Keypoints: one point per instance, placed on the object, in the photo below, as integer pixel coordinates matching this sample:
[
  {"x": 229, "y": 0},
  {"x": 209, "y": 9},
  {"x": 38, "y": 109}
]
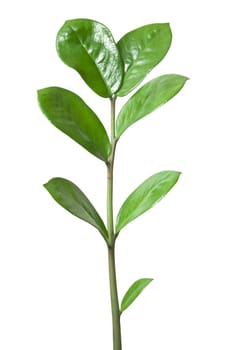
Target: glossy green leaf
[
  {"x": 69, "y": 113},
  {"x": 89, "y": 47},
  {"x": 71, "y": 198},
  {"x": 141, "y": 50},
  {"x": 149, "y": 97},
  {"x": 150, "y": 192},
  {"x": 134, "y": 291}
]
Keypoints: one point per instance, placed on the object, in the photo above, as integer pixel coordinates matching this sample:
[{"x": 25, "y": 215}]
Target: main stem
[{"x": 117, "y": 344}]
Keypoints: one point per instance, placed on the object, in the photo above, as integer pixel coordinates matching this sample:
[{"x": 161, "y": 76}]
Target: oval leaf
[
  {"x": 71, "y": 198},
  {"x": 146, "y": 196},
  {"x": 69, "y": 113},
  {"x": 149, "y": 97},
  {"x": 141, "y": 50},
  {"x": 134, "y": 291},
  {"x": 89, "y": 47}
]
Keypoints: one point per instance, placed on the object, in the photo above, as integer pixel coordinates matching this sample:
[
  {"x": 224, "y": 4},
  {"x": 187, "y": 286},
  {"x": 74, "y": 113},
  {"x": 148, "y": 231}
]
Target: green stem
[
  {"x": 117, "y": 343},
  {"x": 111, "y": 244}
]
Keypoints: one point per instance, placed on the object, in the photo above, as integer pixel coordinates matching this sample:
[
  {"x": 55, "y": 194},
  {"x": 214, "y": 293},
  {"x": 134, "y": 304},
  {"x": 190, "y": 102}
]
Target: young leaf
[
  {"x": 150, "y": 192},
  {"x": 149, "y": 97},
  {"x": 141, "y": 50},
  {"x": 89, "y": 47},
  {"x": 133, "y": 292},
  {"x": 71, "y": 198},
  {"x": 69, "y": 113}
]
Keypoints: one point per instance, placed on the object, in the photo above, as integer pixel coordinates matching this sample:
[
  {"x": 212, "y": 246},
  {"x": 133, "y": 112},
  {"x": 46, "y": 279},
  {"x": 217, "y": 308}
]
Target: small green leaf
[
  {"x": 89, "y": 47},
  {"x": 69, "y": 113},
  {"x": 148, "y": 98},
  {"x": 141, "y": 50},
  {"x": 150, "y": 192},
  {"x": 71, "y": 198},
  {"x": 134, "y": 291}
]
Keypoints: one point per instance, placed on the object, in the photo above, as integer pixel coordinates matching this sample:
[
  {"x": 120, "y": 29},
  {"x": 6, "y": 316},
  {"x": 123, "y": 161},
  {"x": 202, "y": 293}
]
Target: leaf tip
[
  {"x": 186, "y": 78},
  {"x": 148, "y": 280},
  {"x": 40, "y": 96},
  {"x": 39, "y": 92},
  {"x": 45, "y": 185},
  {"x": 178, "y": 174}
]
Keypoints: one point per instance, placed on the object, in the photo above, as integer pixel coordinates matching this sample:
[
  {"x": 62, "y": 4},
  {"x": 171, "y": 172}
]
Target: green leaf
[
  {"x": 89, "y": 47},
  {"x": 71, "y": 198},
  {"x": 134, "y": 291},
  {"x": 141, "y": 50},
  {"x": 69, "y": 113},
  {"x": 149, "y": 97},
  {"x": 150, "y": 192}
]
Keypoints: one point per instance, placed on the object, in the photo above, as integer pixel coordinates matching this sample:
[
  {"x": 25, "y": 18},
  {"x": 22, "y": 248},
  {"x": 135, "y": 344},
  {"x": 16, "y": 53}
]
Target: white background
[{"x": 53, "y": 267}]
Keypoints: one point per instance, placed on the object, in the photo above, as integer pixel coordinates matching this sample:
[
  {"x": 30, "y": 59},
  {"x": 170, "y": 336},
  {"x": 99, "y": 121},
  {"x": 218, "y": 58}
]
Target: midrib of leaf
[
  {"x": 132, "y": 296},
  {"x": 138, "y": 204},
  {"x": 86, "y": 50},
  {"x": 86, "y": 210},
  {"x": 142, "y": 202},
  {"x": 140, "y": 53},
  {"x": 87, "y": 138},
  {"x": 124, "y": 121}
]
